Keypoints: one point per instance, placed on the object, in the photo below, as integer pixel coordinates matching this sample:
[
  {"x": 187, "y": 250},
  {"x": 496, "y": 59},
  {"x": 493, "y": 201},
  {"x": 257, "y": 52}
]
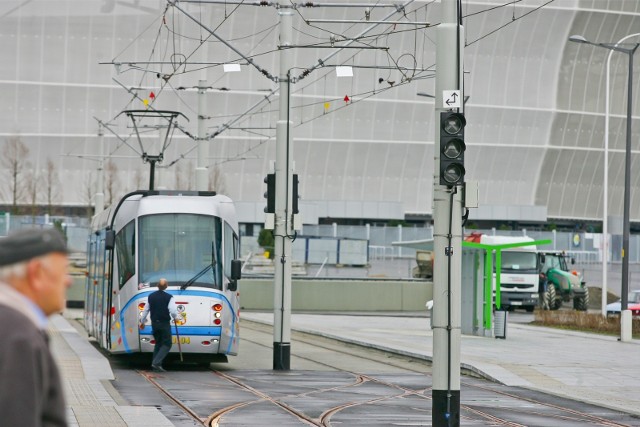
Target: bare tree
[
  {"x": 32, "y": 184},
  {"x": 141, "y": 180},
  {"x": 216, "y": 180},
  {"x": 111, "y": 182},
  {"x": 179, "y": 179},
  {"x": 51, "y": 184},
  {"x": 88, "y": 193},
  {"x": 184, "y": 176},
  {"x": 190, "y": 176},
  {"x": 14, "y": 158}
]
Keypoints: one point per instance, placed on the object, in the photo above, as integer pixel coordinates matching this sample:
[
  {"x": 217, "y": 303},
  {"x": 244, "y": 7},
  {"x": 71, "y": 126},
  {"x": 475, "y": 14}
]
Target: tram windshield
[{"x": 178, "y": 247}]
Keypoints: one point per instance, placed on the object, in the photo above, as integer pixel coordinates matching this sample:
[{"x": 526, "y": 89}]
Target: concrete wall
[
  {"x": 340, "y": 295},
  {"x": 319, "y": 295}
]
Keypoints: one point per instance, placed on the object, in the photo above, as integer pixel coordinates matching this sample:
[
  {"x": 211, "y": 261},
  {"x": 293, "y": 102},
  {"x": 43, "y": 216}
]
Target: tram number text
[{"x": 183, "y": 340}]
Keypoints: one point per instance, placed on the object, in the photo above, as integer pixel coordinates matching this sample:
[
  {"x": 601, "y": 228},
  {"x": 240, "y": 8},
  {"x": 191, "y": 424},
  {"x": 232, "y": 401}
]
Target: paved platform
[
  {"x": 91, "y": 400},
  {"x": 589, "y": 368}
]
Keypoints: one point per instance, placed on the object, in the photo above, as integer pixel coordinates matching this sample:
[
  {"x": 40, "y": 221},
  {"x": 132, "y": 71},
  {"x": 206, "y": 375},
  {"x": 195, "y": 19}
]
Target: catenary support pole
[
  {"x": 447, "y": 206},
  {"x": 99, "y": 199},
  {"x": 203, "y": 143},
  {"x": 283, "y": 224}
]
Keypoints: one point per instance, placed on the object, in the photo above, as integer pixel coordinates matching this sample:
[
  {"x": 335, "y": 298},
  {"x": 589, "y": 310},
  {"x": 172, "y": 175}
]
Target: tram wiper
[
  {"x": 214, "y": 261},
  {"x": 196, "y": 277}
]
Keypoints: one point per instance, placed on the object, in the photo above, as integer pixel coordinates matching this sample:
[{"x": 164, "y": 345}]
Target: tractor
[{"x": 558, "y": 284}]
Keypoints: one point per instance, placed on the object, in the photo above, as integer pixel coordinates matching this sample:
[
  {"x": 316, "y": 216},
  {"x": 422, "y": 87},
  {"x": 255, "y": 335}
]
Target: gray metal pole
[
  {"x": 203, "y": 144},
  {"x": 605, "y": 218},
  {"x": 627, "y": 196},
  {"x": 99, "y": 199},
  {"x": 447, "y": 206},
  {"x": 283, "y": 224},
  {"x": 625, "y": 314}
]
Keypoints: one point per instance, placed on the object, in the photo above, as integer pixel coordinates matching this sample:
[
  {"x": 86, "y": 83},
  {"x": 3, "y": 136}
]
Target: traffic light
[
  {"x": 270, "y": 195},
  {"x": 452, "y": 148},
  {"x": 295, "y": 196}
]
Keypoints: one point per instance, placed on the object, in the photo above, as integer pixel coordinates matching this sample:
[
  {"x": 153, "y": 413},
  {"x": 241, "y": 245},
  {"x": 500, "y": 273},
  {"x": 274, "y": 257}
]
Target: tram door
[
  {"x": 89, "y": 300},
  {"x": 102, "y": 293}
]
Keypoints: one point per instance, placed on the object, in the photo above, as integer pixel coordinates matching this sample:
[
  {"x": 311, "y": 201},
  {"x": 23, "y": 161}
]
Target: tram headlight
[{"x": 218, "y": 315}]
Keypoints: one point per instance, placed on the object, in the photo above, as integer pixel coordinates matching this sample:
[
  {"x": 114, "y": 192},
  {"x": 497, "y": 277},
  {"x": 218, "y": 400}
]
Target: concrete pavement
[{"x": 591, "y": 368}]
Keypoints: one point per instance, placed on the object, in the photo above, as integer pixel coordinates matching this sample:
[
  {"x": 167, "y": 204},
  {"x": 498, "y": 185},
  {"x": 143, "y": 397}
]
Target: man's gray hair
[{"x": 17, "y": 270}]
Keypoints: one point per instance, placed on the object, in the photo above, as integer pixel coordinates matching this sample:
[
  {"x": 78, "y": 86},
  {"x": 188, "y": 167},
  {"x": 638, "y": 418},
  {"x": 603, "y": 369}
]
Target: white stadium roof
[{"x": 535, "y": 112}]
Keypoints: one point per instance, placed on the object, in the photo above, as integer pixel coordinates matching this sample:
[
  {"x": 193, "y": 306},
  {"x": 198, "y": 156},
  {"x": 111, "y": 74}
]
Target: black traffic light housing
[
  {"x": 295, "y": 195},
  {"x": 270, "y": 195},
  {"x": 452, "y": 148}
]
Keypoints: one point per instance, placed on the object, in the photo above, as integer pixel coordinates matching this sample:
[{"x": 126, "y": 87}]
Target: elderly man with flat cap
[{"x": 34, "y": 278}]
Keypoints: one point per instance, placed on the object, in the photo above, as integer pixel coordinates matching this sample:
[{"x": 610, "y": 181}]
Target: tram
[{"x": 190, "y": 239}]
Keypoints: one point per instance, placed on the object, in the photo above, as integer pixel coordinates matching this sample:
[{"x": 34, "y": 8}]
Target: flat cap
[{"x": 24, "y": 245}]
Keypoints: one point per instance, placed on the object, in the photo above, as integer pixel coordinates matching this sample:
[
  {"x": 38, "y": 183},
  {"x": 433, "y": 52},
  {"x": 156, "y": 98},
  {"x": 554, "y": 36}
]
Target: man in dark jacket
[
  {"x": 34, "y": 278},
  {"x": 162, "y": 307}
]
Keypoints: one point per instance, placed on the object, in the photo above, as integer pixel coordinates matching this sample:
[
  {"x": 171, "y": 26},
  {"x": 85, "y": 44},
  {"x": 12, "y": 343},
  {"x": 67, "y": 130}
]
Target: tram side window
[
  {"x": 230, "y": 248},
  {"x": 125, "y": 248}
]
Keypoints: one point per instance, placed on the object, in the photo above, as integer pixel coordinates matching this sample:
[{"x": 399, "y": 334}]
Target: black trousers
[{"x": 162, "y": 335}]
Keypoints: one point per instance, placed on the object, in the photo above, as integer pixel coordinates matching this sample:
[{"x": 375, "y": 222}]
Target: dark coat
[{"x": 31, "y": 393}]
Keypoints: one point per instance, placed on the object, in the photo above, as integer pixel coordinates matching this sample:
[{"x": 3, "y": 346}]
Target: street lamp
[
  {"x": 625, "y": 315},
  {"x": 605, "y": 234}
]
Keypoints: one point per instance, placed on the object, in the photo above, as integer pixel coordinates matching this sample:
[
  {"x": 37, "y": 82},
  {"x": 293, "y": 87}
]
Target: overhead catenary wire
[
  {"x": 365, "y": 37},
  {"x": 489, "y": 9},
  {"x": 181, "y": 63},
  {"x": 509, "y": 23},
  {"x": 375, "y": 37},
  {"x": 320, "y": 63},
  {"x": 212, "y": 32}
]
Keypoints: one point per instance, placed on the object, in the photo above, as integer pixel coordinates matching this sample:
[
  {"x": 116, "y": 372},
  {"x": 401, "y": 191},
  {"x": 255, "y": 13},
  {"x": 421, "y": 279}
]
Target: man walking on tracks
[
  {"x": 162, "y": 307},
  {"x": 34, "y": 278}
]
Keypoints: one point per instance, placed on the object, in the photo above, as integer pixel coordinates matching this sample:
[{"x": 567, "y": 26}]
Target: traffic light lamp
[
  {"x": 270, "y": 195},
  {"x": 452, "y": 148}
]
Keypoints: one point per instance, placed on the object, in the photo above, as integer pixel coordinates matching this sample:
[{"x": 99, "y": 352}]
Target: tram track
[
  {"x": 584, "y": 416},
  {"x": 470, "y": 413},
  {"x": 151, "y": 378}
]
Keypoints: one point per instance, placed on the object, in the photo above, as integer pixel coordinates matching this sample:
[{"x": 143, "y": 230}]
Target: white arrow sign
[{"x": 450, "y": 99}]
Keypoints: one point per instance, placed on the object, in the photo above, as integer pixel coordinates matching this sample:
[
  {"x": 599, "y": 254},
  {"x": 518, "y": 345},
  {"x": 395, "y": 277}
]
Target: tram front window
[{"x": 178, "y": 247}]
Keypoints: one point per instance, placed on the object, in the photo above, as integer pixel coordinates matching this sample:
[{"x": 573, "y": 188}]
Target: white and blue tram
[{"x": 190, "y": 239}]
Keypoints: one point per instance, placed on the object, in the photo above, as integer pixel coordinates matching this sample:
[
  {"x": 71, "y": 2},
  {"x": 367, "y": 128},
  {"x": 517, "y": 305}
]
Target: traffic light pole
[
  {"x": 202, "y": 157},
  {"x": 283, "y": 212},
  {"x": 447, "y": 216}
]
